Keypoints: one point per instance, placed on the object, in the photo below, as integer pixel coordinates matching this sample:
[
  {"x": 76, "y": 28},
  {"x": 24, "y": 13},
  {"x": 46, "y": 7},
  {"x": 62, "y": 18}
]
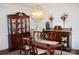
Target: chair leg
[
  {"x": 25, "y": 53},
  {"x": 20, "y": 52},
  {"x": 52, "y": 52},
  {"x": 61, "y": 50}
]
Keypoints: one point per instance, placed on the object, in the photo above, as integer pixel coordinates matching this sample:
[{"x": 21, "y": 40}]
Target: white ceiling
[
  {"x": 27, "y": 4},
  {"x": 30, "y": 5}
]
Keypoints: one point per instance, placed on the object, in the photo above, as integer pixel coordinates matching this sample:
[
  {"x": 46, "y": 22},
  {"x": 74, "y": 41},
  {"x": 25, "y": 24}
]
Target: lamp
[
  {"x": 37, "y": 13},
  {"x": 51, "y": 19}
]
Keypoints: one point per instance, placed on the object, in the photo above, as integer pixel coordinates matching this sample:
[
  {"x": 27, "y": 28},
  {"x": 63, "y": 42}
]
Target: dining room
[{"x": 39, "y": 29}]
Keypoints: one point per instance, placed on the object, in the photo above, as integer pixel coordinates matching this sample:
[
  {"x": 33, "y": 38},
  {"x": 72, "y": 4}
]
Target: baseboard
[
  {"x": 75, "y": 49},
  {"x": 4, "y": 51}
]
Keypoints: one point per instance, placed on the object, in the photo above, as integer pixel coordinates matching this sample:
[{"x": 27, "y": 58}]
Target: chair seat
[
  {"x": 26, "y": 47},
  {"x": 41, "y": 51}
]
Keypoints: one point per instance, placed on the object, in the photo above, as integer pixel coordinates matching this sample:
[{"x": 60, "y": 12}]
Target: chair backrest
[
  {"x": 41, "y": 35},
  {"x": 58, "y": 37},
  {"x": 32, "y": 45},
  {"x": 20, "y": 41},
  {"x": 54, "y": 36},
  {"x": 51, "y": 36},
  {"x": 38, "y": 35}
]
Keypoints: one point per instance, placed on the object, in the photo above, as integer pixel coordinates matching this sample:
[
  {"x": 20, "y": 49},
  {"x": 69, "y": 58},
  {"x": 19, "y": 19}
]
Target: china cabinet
[{"x": 18, "y": 23}]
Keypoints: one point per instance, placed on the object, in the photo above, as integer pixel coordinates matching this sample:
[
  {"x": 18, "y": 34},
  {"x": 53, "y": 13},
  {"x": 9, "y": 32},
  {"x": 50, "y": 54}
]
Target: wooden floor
[{"x": 57, "y": 52}]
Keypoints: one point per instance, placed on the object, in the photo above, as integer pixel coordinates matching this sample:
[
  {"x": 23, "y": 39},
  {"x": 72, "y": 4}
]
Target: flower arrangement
[{"x": 64, "y": 18}]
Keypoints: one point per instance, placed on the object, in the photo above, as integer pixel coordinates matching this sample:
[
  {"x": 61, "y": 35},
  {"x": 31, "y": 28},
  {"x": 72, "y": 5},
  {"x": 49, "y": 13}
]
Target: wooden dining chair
[
  {"x": 51, "y": 36},
  {"x": 29, "y": 46},
  {"x": 37, "y": 50},
  {"x": 23, "y": 45},
  {"x": 36, "y": 46},
  {"x": 55, "y": 36},
  {"x": 58, "y": 38}
]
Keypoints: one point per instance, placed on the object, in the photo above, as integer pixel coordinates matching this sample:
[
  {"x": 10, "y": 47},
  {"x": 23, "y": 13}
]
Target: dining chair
[
  {"x": 36, "y": 46},
  {"x": 29, "y": 47},
  {"x": 23, "y": 45},
  {"x": 58, "y": 38},
  {"x": 37, "y": 50},
  {"x": 55, "y": 36}
]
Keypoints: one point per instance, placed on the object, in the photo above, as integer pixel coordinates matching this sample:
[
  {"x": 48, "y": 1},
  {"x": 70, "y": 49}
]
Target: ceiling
[{"x": 40, "y": 4}]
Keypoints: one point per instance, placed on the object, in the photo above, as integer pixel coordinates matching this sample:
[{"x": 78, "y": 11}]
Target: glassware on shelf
[
  {"x": 19, "y": 26},
  {"x": 19, "y": 31},
  {"x": 13, "y": 27},
  {"x": 14, "y": 21}
]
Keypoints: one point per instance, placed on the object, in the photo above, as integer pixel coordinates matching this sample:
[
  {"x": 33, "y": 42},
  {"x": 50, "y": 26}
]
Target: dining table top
[
  {"x": 43, "y": 41},
  {"x": 48, "y": 42}
]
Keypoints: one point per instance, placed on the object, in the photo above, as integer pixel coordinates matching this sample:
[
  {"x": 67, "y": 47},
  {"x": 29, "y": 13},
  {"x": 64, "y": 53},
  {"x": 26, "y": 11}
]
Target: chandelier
[{"x": 37, "y": 13}]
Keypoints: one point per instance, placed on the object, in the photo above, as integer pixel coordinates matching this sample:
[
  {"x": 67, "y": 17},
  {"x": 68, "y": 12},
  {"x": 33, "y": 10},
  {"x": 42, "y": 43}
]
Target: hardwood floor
[
  {"x": 4, "y": 52},
  {"x": 75, "y": 51}
]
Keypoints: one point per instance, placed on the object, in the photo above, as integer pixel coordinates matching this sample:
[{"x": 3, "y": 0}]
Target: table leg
[
  {"x": 48, "y": 49},
  {"x": 61, "y": 50}
]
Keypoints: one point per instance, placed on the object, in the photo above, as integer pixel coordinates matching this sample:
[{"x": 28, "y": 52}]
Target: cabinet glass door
[{"x": 13, "y": 26}]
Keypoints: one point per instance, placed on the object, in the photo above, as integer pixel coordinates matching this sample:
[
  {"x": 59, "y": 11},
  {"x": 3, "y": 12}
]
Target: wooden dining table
[{"x": 48, "y": 45}]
